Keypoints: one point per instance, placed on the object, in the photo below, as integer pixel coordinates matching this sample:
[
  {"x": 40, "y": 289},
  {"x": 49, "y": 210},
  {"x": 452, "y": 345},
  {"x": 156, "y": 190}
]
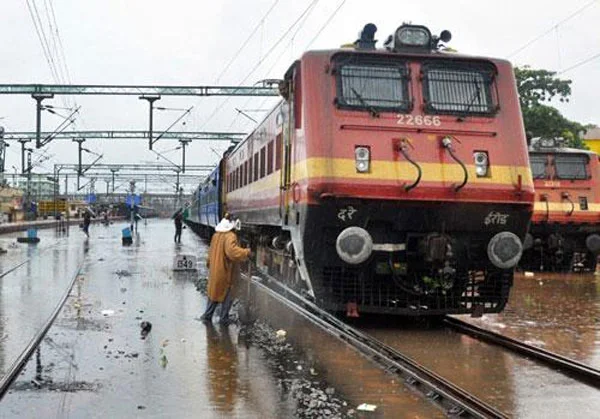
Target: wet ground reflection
[
  {"x": 221, "y": 357},
  {"x": 560, "y": 313},
  {"x": 32, "y": 280},
  {"x": 94, "y": 359},
  {"x": 508, "y": 382}
]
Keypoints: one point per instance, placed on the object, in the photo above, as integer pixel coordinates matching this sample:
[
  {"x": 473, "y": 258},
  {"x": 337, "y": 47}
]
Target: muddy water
[
  {"x": 355, "y": 377},
  {"x": 512, "y": 384},
  {"x": 94, "y": 362},
  {"x": 560, "y": 313}
]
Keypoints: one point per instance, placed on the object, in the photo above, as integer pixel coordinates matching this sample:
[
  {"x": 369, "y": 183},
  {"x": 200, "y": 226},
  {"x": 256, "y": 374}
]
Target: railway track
[
  {"x": 452, "y": 399},
  {"x": 16, "y": 368},
  {"x": 561, "y": 363},
  {"x": 29, "y": 259}
]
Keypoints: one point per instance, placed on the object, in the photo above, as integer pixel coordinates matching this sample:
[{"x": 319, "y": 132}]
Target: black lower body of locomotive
[{"x": 427, "y": 259}]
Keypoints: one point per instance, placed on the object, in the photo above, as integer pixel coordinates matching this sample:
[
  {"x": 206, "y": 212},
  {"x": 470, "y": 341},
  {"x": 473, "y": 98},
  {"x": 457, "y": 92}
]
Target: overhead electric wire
[
  {"x": 241, "y": 48},
  {"x": 537, "y": 38},
  {"x": 61, "y": 48},
  {"x": 579, "y": 64},
  {"x": 42, "y": 38},
  {"x": 268, "y": 72},
  {"x": 281, "y": 38},
  {"x": 246, "y": 41},
  {"x": 327, "y": 22},
  {"x": 54, "y": 43}
]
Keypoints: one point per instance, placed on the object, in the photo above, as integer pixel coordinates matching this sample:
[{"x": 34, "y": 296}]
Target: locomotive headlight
[
  {"x": 354, "y": 245},
  {"x": 413, "y": 36},
  {"x": 481, "y": 163},
  {"x": 504, "y": 250},
  {"x": 362, "y": 156}
]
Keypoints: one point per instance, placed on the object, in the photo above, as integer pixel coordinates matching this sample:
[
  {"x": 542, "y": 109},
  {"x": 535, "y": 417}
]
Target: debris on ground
[
  {"x": 163, "y": 358},
  {"x": 200, "y": 284},
  {"x": 145, "y": 327},
  {"x": 366, "y": 407},
  {"x": 313, "y": 399},
  {"x": 122, "y": 273}
]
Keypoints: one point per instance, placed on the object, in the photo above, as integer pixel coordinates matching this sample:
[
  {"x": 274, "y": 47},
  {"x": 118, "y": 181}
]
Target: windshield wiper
[
  {"x": 476, "y": 95},
  {"x": 363, "y": 102}
]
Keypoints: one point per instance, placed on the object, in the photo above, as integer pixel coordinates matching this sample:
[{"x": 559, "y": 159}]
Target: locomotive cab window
[
  {"x": 459, "y": 89},
  {"x": 372, "y": 85},
  {"x": 571, "y": 166},
  {"x": 538, "y": 165}
]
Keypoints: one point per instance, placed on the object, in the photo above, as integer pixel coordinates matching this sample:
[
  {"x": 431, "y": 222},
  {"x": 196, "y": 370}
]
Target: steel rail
[
  {"x": 456, "y": 401},
  {"x": 566, "y": 365},
  {"x": 29, "y": 259},
  {"x": 16, "y": 368}
]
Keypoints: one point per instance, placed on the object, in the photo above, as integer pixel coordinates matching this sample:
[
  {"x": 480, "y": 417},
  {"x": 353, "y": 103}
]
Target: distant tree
[{"x": 537, "y": 88}]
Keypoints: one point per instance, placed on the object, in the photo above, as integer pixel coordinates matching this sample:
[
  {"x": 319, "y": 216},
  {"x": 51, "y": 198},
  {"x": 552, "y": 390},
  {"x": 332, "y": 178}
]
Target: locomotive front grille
[{"x": 381, "y": 294}]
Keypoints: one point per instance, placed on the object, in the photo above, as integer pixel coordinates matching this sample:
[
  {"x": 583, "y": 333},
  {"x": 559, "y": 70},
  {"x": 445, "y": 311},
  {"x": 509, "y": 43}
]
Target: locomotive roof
[
  {"x": 564, "y": 150},
  {"x": 424, "y": 54}
]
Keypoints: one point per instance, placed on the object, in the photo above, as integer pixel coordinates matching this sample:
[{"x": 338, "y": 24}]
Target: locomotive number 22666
[{"x": 426, "y": 120}]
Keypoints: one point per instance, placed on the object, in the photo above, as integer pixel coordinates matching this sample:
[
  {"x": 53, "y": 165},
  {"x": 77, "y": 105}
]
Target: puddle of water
[{"x": 560, "y": 312}]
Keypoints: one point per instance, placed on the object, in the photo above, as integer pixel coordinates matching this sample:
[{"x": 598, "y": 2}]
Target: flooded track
[
  {"x": 94, "y": 359},
  {"x": 568, "y": 366},
  {"x": 511, "y": 383},
  {"x": 33, "y": 278},
  {"x": 17, "y": 366},
  {"x": 560, "y": 313},
  {"x": 355, "y": 376},
  {"x": 95, "y": 362},
  {"x": 452, "y": 399}
]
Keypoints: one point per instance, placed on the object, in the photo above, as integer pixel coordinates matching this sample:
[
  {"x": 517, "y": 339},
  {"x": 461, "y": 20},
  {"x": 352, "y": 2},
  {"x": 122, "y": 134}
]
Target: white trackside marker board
[{"x": 185, "y": 263}]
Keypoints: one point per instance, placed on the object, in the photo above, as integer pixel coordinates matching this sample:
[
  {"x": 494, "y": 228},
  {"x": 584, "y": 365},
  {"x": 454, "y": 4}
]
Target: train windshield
[
  {"x": 571, "y": 166},
  {"x": 458, "y": 89},
  {"x": 538, "y": 165},
  {"x": 372, "y": 85}
]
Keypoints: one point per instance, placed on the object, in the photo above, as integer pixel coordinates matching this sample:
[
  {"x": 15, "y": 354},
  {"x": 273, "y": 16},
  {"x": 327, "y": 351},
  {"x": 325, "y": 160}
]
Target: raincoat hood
[{"x": 224, "y": 226}]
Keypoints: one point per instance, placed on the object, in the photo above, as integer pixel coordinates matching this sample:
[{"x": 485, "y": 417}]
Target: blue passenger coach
[{"x": 205, "y": 210}]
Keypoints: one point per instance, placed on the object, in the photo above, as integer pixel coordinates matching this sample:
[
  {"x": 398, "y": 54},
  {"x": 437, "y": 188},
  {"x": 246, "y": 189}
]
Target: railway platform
[{"x": 6, "y": 228}]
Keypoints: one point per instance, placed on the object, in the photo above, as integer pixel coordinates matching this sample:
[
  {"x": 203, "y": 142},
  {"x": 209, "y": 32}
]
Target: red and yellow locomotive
[
  {"x": 390, "y": 180},
  {"x": 565, "y": 227}
]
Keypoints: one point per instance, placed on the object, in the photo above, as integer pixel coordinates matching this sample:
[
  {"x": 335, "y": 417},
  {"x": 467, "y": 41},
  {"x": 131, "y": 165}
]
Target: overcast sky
[{"x": 190, "y": 42}]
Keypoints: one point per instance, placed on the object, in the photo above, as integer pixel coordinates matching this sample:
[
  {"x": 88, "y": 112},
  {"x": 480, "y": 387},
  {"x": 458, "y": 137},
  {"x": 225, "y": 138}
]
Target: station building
[{"x": 592, "y": 139}]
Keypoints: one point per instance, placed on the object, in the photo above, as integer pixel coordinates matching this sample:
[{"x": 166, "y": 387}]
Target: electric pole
[
  {"x": 39, "y": 97},
  {"x": 151, "y": 99}
]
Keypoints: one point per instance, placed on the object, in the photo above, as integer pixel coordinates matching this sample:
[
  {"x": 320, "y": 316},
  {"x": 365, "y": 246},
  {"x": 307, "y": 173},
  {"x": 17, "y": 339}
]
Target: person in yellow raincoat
[{"x": 223, "y": 256}]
